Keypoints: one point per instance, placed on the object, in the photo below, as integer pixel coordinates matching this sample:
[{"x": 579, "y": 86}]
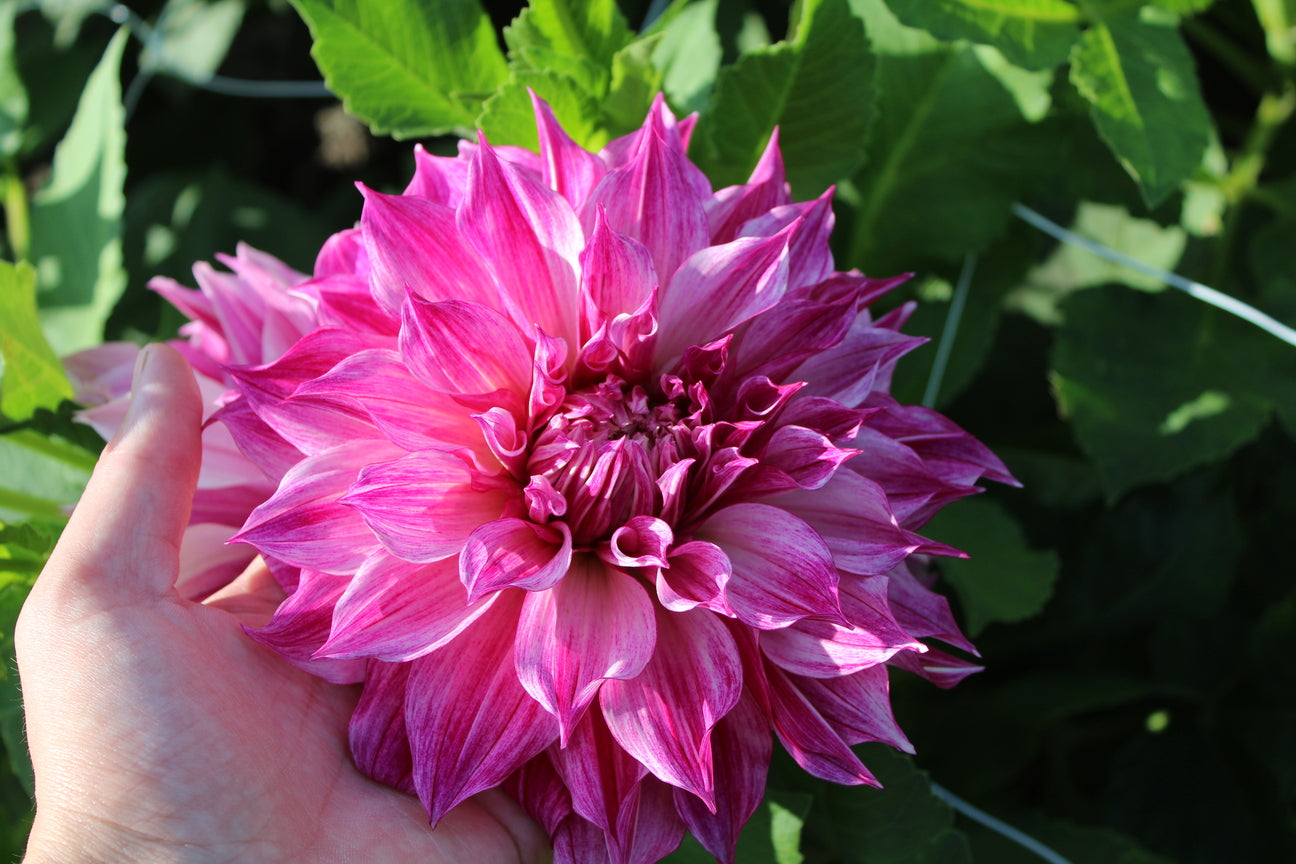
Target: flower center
[{"x": 597, "y": 460}]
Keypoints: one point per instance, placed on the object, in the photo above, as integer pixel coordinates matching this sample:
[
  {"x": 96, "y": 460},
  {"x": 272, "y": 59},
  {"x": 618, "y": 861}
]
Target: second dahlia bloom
[{"x": 598, "y": 490}]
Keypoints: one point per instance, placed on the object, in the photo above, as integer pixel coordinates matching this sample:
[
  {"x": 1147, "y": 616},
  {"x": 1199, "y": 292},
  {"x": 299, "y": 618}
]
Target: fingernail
[{"x": 138, "y": 397}]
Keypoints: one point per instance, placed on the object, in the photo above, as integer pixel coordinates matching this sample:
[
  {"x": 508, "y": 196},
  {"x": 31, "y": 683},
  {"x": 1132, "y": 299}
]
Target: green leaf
[
  {"x": 67, "y": 16},
  {"x": 13, "y": 95},
  {"x": 407, "y": 67},
  {"x": 901, "y": 823},
  {"x": 592, "y": 31},
  {"x": 192, "y": 37},
  {"x": 40, "y": 476},
  {"x": 508, "y": 118},
  {"x": 948, "y": 154},
  {"x": 689, "y": 56},
  {"x": 1185, "y": 7},
  {"x": 1155, "y": 384},
  {"x": 1004, "y": 580},
  {"x": 1138, "y": 78},
  {"x": 23, "y": 552},
  {"x": 817, "y": 88},
  {"x": 76, "y": 219},
  {"x": 1069, "y": 268},
  {"x": 1036, "y": 34},
  {"x": 31, "y": 376},
  {"x": 1277, "y": 18},
  {"x": 634, "y": 83}
]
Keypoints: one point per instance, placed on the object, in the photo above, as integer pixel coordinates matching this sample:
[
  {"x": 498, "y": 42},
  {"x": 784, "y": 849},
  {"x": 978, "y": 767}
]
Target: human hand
[{"x": 159, "y": 732}]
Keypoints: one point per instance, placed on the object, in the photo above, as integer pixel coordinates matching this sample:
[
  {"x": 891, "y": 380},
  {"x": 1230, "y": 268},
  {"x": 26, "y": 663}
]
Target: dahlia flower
[{"x": 590, "y": 475}]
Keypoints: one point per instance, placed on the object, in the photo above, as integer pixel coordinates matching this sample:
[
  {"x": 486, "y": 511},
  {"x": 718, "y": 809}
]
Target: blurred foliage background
[{"x": 1134, "y": 603}]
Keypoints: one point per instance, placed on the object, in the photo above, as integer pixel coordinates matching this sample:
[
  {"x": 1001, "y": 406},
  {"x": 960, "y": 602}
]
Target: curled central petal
[{"x": 604, "y": 450}]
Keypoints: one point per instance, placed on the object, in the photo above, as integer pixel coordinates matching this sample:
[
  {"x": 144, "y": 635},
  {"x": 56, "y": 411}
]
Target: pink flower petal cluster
[{"x": 590, "y": 474}]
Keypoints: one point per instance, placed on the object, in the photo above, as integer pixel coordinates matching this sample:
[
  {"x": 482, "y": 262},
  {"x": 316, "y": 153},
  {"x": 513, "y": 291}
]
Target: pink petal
[
  {"x": 857, "y": 706},
  {"x": 642, "y": 542},
  {"x": 742, "y": 746},
  {"x": 810, "y": 259},
  {"x": 260, "y": 444},
  {"x": 423, "y": 506},
  {"x": 569, "y": 169},
  {"x": 464, "y": 746},
  {"x": 818, "y": 649},
  {"x": 849, "y": 371},
  {"x": 440, "y": 179},
  {"x": 415, "y": 246},
  {"x": 730, "y": 208},
  {"x": 595, "y": 624},
  {"x": 719, "y": 288},
  {"x": 854, "y": 519},
  {"x": 782, "y": 570},
  {"x": 939, "y": 667},
  {"x": 617, "y": 274},
  {"x": 514, "y": 553},
  {"x": 379, "y": 742},
  {"x": 650, "y": 199},
  {"x": 305, "y": 525},
  {"x": 458, "y": 347},
  {"x": 665, "y": 716},
  {"x": 396, "y": 611},
  {"x": 809, "y": 738},
  {"x": 921, "y": 611},
  {"x": 406, "y": 411},
  {"x": 696, "y": 574},
  {"x": 530, "y": 239},
  {"x": 301, "y": 624}
]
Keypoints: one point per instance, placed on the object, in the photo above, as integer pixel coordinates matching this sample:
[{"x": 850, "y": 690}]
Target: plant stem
[{"x": 17, "y": 220}]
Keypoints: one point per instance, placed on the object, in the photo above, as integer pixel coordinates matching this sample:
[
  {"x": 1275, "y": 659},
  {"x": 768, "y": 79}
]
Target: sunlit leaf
[
  {"x": 192, "y": 37},
  {"x": 508, "y": 116},
  {"x": 13, "y": 95},
  {"x": 31, "y": 376},
  {"x": 1036, "y": 34},
  {"x": 406, "y": 67},
  {"x": 817, "y": 88},
  {"x": 1141, "y": 86},
  {"x": 76, "y": 219}
]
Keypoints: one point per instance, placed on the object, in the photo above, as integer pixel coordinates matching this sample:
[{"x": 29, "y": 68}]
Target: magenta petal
[
  {"x": 651, "y": 199},
  {"x": 782, "y": 570},
  {"x": 648, "y": 826},
  {"x": 595, "y": 624},
  {"x": 665, "y": 716},
  {"x": 696, "y": 575},
  {"x": 379, "y": 742},
  {"x": 939, "y": 667},
  {"x": 741, "y": 752},
  {"x": 597, "y": 772},
  {"x": 569, "y": 169},
  {"x": 402, "y": 407},
  {"x": 858, "y": 706},
  {"x": 617, "y": 274},
  {"x": 921, "y": 611},
  {"x": 458, "y": 347},
  {"x": 440, "y": 179},
  {"x": 462, "y": 746},
  {"x": 304, "y": 523},
  {"x": 719, "y": 288},
  {"x": 397, "y": 611},
  {"x": 642, "y": 542},
  {"x": 301, "y": 624},
  {"x": 514, "y": 553},
  {"x": 423, "y": 506},
  {"x": 818, "y": 649},
  {"x": 811, "y": 739},
  {"x": 530, "y": 239},
  {"x": 854, "y": 518},
  {"x": 415, "y": 246}
]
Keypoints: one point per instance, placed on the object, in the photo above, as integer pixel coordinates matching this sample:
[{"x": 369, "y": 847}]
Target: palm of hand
[{"x": 160, "y": 732}]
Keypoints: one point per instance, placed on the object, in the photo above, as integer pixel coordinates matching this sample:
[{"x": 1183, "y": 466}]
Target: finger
[{"x": 123, "y": 540}]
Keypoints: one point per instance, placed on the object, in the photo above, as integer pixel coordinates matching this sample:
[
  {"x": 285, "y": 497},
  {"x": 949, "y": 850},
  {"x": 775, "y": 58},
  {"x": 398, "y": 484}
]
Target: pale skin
[{"x": 160, "y": 733}]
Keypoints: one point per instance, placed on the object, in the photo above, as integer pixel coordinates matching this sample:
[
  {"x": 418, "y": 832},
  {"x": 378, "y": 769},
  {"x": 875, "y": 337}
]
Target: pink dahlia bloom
[{"x": 589, "y": 473}]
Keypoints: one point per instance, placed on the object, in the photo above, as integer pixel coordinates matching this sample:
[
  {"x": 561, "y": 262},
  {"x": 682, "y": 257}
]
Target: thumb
[{"x": 122, "y": 543}]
